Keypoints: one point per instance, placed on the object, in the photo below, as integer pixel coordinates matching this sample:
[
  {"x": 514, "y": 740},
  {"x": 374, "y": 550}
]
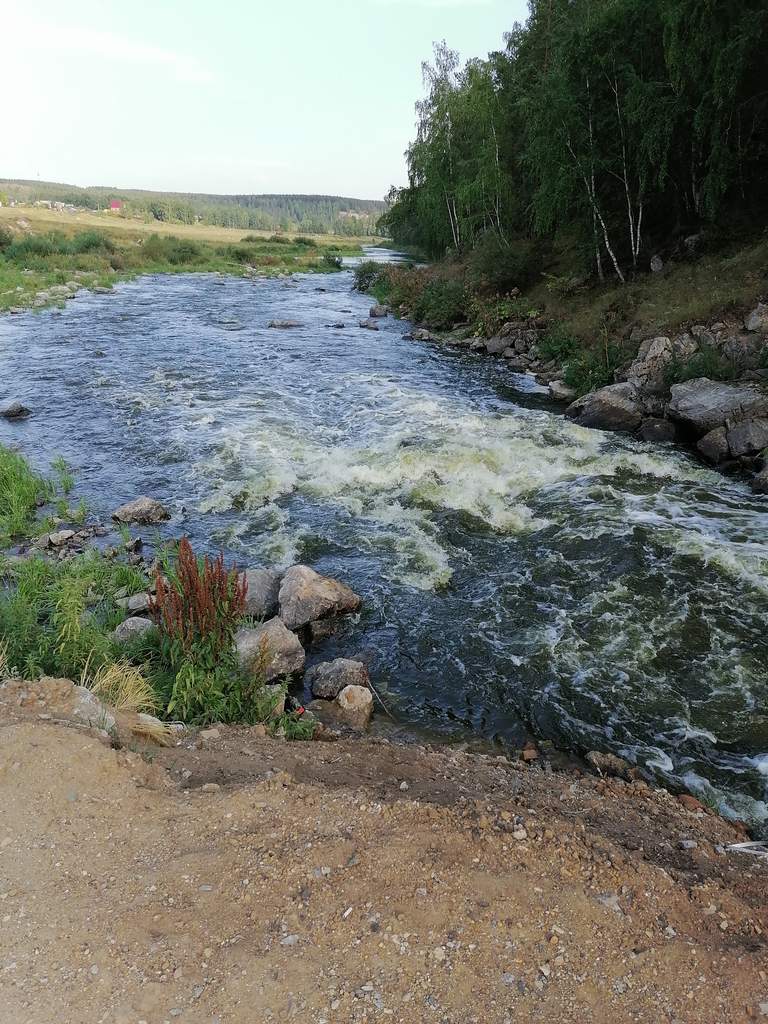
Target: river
[{"x": 518, "y": 571}]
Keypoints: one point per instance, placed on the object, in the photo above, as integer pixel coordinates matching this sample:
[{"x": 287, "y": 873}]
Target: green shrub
[
  {"x": 367, "y": 274},
  {"x": 441, "y": 304},
  {"x": 303, "y": 240},
  {"x": 169, "y": 249},
  {"x": 91, "y": 241},
  {"x": 6, "y": 238},
  {"x": 33, "y": 245},
  {"x": 592, "y": 368},
  {"x": 497, "y": 267},
  {"x": 706, "y": 363},
  {"x": 558, "y": 344},
  {"x": 279, "y": 240},
  {"x": 490, "y": 314},
  {"x": 332, "y": 261}
]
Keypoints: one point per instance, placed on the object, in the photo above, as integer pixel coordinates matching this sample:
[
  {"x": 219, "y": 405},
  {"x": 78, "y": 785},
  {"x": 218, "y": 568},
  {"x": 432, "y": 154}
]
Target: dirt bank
[{"x": 249, "y": 880}]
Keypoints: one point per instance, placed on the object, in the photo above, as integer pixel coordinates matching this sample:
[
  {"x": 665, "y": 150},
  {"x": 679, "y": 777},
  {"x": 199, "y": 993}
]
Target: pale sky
[{"x": 281, "y": 96}]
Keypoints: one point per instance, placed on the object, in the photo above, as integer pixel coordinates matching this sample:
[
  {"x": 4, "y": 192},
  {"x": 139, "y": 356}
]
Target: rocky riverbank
[{"x": 725, "y": 420}]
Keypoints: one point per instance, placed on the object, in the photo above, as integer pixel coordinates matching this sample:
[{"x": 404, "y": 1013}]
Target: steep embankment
[{"x": 249, "y": 879}]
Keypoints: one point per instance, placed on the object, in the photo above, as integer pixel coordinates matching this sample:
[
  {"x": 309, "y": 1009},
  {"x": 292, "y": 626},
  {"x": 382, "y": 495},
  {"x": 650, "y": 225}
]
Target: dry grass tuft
[
  {"x": 150, "y": 728},
  {"x": 122, "y": 685}
]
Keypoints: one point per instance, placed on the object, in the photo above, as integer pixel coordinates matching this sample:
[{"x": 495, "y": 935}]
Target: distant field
[{"x": 43, "y": 220}]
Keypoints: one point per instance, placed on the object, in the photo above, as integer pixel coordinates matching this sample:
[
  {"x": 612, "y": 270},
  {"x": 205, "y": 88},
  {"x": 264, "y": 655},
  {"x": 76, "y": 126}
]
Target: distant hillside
[{"x": 312, "y": 214}]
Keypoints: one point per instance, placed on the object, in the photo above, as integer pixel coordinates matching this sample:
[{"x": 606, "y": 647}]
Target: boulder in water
[
  {"x": 615, "y": 407},
  {"x": 328, "y": 679},
  {"x": 495, "y": 346},
  {"x": 703, "y": 405},
  {"x": 261, "y": 599},
  {"x": 760, "y": 482},
  {"x": 378, "y": 311},
  {"x": 559, "y": 389},
  {"x": 657, "y": 429},
  {"x": 714, "y": 445},
  {"x": 306, "y": 595},
  {"x": 14, "y": 411},
  {"x": 270, "y": 651},
  {"x": 144, "y": 510},
  {"x": 748, "y": 437},
  {"x": 284, "y": 325}
]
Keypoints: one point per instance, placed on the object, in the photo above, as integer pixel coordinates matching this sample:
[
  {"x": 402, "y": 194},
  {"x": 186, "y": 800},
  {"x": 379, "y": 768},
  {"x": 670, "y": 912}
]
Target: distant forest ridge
[{"x": 313, "y": 214}]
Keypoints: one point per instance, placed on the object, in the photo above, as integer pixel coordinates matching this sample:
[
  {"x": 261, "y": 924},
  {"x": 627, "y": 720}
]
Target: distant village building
[{"x": 115, "y": 206}]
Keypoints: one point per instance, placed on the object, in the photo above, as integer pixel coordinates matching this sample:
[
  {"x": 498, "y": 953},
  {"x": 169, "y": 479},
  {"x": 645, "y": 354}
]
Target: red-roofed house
[{"x": 115, "y": 206}]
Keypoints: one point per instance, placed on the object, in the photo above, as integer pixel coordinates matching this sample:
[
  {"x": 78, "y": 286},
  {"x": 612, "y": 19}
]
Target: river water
[{"x": 518, "y": 571}]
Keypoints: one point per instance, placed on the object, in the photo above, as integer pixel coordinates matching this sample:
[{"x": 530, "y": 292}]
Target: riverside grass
[
  {"x": 97, "y": 251},
  {"x": 58, "y": 617}
]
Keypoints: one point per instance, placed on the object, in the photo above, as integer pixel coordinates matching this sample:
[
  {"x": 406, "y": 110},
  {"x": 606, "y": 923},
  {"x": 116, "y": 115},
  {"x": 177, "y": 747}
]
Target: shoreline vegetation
[{"x": 46, "y": 257}]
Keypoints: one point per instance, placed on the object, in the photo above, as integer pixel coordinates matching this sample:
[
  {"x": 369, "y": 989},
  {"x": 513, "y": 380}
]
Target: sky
[{"x": 307, "y": 96}]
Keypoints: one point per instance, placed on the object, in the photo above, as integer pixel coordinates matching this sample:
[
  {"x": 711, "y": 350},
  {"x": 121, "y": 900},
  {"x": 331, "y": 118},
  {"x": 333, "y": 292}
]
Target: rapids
[{"x": 518, "y": 571}]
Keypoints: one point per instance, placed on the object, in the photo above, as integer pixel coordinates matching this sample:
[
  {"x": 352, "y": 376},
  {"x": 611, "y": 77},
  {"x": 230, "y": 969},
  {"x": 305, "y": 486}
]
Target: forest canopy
[{"x": 620, "y": 124}]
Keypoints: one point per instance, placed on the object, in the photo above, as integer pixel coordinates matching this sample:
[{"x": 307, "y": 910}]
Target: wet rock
[
  {"x": 306, "y": 596},
  {"x": 284, "y": 325},
  {"x": 132, "y": 628},
  {"x": 703, "y": 405},
  {"x": 270, "y": 651},
  {"x": 561, "y": 391},
  {"x": 356, "y": 706},
  {"x": 714, "y": 445},
  {"x": 144, "y": 510},
  {"x": 58, "y": 540},
  {"x": 328, "y": 679},
  {"x": 615, "y": 407},
  {"x": 758, "y": 318},
  {"x": 369, "y": 325},
  {"x": 378, "y": 311},
  {"x": 609, "y": 764},
  {"x": 657, "y": 430},
  {"x": 421, "y": 334},
  {"x": 14, "y": 411},
  {"x": 760, "y": 482},
  {"x": 748, "y": 437},
  {"x": 261, "y": 599},
  {"x": 321, "y": 630}
]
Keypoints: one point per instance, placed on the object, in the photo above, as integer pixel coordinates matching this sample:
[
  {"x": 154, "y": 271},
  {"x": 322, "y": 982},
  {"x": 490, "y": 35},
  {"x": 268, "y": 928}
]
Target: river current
[{"x": 518, "y": 571}]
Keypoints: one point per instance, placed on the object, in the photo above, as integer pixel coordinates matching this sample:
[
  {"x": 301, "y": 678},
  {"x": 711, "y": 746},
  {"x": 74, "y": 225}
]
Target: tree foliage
[{"x": 621, "y": 124}]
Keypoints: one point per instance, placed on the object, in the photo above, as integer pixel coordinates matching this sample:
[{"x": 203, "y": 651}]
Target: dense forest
[
  {"x": 621, "y": 126},
  {"x": 309, "y": 214}
]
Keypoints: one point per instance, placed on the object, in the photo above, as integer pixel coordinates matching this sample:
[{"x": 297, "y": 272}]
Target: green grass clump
[
  {"x": 558, "y": 344},
  {"x": 21, "y": 490},
  {"x": 706, "y": 363}
]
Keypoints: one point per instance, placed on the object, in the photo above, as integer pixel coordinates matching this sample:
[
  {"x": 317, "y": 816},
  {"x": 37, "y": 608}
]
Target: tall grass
[{"x": 21, "y": 489}]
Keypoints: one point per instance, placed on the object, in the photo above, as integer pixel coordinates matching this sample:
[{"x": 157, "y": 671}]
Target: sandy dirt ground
[{"x": 245, "y": 880}]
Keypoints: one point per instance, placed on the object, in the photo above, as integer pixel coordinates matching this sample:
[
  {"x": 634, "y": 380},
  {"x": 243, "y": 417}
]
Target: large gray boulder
[
  {"x": 495, "y": 346},
  {"x": 306, "y": 595},
  {"x": 615, "y": 407},
  {"x": 147, "y": 511},
  {"x": 758, "y": 318},
  {"x": 760, "y": 482},
  {"x": 261, "y": 599},
  {"x": 714, "y": 445},
  {"x": 703, "y": 405},
  {"x": 132, "y": 628},
  {"x": 328, "y": 679},
  {"x": 270, "y": 651},
  {"x": 648, "y": 371},
  {"x": 748, "y": 437}
]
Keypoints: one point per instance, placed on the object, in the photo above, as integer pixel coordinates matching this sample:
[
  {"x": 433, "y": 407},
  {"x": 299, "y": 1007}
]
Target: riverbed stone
[
  {"x": 305, "y": 596},
  {"x": 714, "y": 445},
  {"x": 369, "y": 325},
  {"x": 136, "y": 604},
  {"x": 261, "y": 599},
  {"x": 147, "y": 511},
  {"x": 356, "y": 705},
  {"x": 495, "y": 346},
  {"x": 378, "y": 311},
  {"x": 284, "y": 325},
  {"x": 133, "y": 627},
  {"x": 615, "y": 407},
  {"x": 748, "y": 437},
  {"x": 760, "y": 482},
  {"x": 14, "y": 411},
  {"x": 703, "y": 404},
  {"x": 328, "y": 679},
  {"x": 657, "y": 430},
  {"x": 648, "y": 371},
  {"x": 270, "y": 650}
]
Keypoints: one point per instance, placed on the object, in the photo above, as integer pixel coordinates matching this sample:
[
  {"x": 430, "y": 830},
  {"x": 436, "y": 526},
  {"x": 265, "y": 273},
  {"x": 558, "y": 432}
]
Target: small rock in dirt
[
  {"x": 404, "y": 787},
  {"x": 144, "y": 510},
  {"x": 688, "y": 844},
  {"x": 356, "y": 705},
  {"x": 609, "y": 764},
  {"x": 328, "y": 679},
  {"x": 208, "y": 735},
  {"x": 530, "y": 752},
  {"x": 14, "y": 411},
  {"x": 211, "y": 787},
  {"x": 132, "y": 628},
  {"x": 690, "y": 803}
]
